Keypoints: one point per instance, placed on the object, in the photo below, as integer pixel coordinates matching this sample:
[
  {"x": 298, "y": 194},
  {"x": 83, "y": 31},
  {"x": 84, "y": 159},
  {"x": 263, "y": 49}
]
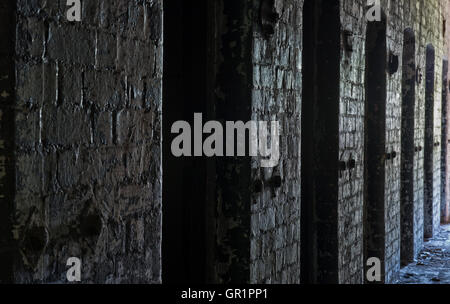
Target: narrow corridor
[
  {"x": 141, "y": 141},
  {"x": 433, "y": 263}
]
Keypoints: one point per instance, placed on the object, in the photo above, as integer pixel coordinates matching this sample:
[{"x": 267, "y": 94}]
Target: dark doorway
[
  {"x": 445, "y": 142},
  {"x": 429, "y": 143},
  {"x": 184, "y": 179},
  {"x": 407, "y": 154},
  {"x": 320, "y": 141},
  {"x": 375, "y": 142}
]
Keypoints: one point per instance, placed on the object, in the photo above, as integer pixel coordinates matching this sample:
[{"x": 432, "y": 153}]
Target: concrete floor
[{"x": 433, "y": 263}]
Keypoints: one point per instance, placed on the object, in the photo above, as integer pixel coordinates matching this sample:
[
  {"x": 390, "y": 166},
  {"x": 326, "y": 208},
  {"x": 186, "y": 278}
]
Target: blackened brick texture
[
  {"x": 275, "y": 233},
  {"x": 88, "y": 141},
  {"x": 7, "y": 172},
  {"x": 85, "y": 129}
]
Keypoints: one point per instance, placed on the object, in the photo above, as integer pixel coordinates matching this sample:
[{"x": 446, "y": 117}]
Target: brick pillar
[
  {"x": 88, "y": 140},
  {"x": 407, "y": 153},
  {"x": 445, "y": 144},
  {"x": 445, "y": 216},
  {"x": 375, "y": 143},
  {"x": 429, "y": 142},
  {"x": 7, "y": 174},
  {"x": 233, "y": 188},
  {"x": 320, "y": 142}
]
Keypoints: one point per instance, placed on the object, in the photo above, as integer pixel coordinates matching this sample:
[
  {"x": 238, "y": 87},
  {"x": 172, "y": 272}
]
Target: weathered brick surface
[
  {"x": 275, "y": 233},
  {"x": 272, "y": 254},
  {"x": 427, "y": 30},
  {"x": 426, "y": 20},
  {"x": 445, "y": 209},
  {"x": 351, "y": 135},
  {"x": 87, "y": 133},
  {"x": 88, "y": 143},
  {"x": 232, "y": 97}
]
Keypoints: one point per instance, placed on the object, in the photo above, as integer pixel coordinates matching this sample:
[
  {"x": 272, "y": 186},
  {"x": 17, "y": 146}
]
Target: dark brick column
[
  {"x": 407, "y": 153},
  {"x": 88, "y": 140},
  {"x": 233, "y": 188},
  {"x": 375, "y": 143},
  {"x": 445, "y": 143},
  {"x": 320, "y": 142},
  {"x": 7, "y": 174},
  {"x": 429, "y": 142}
]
